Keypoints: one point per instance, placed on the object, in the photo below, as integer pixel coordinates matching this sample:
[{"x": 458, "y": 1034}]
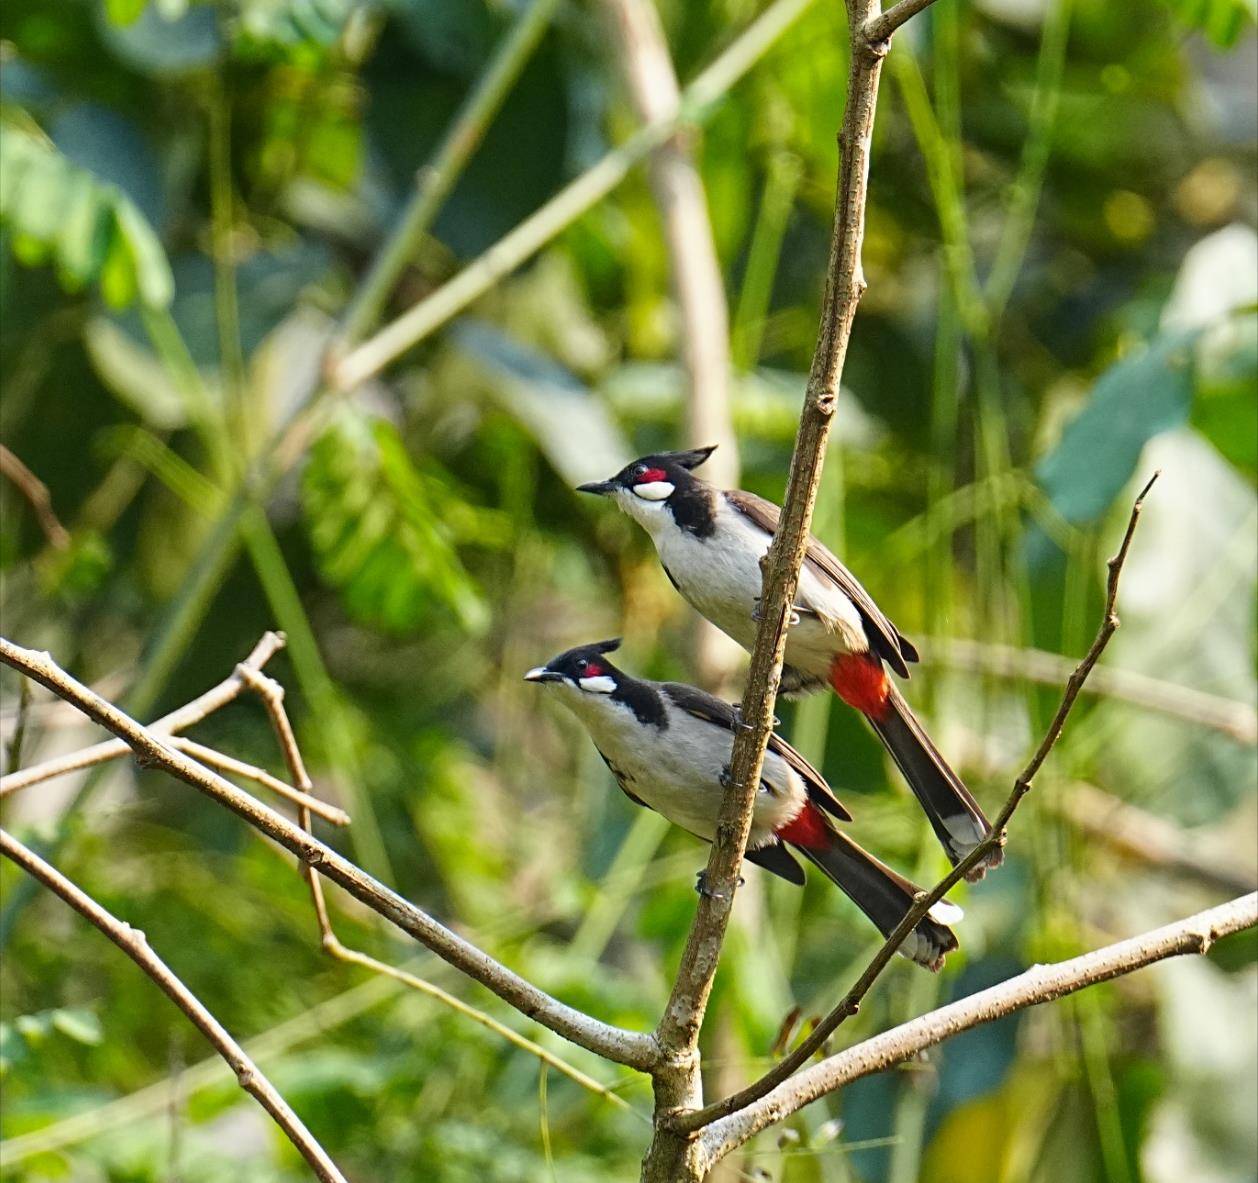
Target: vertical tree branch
[
  {"x": 673, "y": 1155},
  {"x": 133, "y": 943}
]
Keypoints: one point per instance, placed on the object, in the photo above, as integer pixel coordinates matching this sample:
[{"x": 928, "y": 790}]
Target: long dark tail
[
  {"x": 954, "y": 815},
  {"x": 878, "y": 891}
]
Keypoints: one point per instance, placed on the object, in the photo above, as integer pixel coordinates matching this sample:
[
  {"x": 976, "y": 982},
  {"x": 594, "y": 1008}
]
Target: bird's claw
[
  {"x": 701, "y": 886},
  {"x": 792, "y": 619},
  {"x": 725, "y": 779}
]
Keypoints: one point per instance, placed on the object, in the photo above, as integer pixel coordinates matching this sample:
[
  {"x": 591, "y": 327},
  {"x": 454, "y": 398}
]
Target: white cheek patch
[
  {"x": 599, "y": 685},
  {"x": 654, "y": 490}
]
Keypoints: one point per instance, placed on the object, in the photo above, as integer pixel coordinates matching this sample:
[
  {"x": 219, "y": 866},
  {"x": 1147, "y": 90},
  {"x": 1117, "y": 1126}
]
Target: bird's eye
[
  {"x": 582, "y": 664},
  {"x": 639, "y": 470}
]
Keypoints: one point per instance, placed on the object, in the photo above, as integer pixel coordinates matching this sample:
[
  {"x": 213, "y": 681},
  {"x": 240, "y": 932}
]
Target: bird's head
[
  {"x": 647, "y": 486},
  {"x": 582, "y": 671}
]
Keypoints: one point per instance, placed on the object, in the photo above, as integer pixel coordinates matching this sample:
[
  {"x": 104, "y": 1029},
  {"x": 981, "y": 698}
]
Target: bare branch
[
  {"x": 673, "y": 1153},
  {"x": 850, "y": 1003},
  {"x": 1041, "y": 983},
  {"x": 631, "y": 1048},
  {"x": 188, "y": 714},
  {"x": 133, "y": 943},
  {"x": 881, "y": 26},
  {"x": 37, "y": 496},
  {"x": 259, "y": 776}
]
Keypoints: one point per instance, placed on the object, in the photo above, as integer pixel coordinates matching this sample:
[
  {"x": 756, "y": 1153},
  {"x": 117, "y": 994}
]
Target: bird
[
  {"x": 710, "y": 542},
  {"x": 668, "y": 747}
]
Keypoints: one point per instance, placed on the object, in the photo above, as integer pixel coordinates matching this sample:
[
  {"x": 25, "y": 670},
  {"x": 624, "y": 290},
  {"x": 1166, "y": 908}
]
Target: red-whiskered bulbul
[
  {"x": 668, "y": 746},
  {"x": 710, "y": 542}
]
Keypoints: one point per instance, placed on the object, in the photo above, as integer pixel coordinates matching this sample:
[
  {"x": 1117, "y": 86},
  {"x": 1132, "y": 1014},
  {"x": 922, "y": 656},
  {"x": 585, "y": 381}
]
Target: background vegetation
[{"x": 1062, "y": 269}]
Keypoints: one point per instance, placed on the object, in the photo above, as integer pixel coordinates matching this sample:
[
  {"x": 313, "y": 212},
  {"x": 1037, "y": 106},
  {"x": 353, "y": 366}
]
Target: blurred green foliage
[{"x": 1062, "y": 262}]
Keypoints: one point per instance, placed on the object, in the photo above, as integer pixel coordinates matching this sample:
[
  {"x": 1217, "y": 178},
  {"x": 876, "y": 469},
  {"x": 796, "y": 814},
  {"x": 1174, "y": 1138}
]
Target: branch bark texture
[{"x": 673, "y": 1154}]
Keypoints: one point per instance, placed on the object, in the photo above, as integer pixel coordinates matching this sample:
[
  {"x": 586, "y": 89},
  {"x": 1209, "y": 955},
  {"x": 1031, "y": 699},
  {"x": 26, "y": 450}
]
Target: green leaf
[
  {"x": 149, "y": 264},
  {"x": 124, "y": 12},
  {"x": 84, "y": 237},
  {"x": 79, "y": 1024},
  {"x": 94, "y": 232},
  {"x": 386, "y": 531},
  {"x": 134, "y": 374},
  {"x": 1222, "y": 21},
  {"x": 1144, "y": 394}
]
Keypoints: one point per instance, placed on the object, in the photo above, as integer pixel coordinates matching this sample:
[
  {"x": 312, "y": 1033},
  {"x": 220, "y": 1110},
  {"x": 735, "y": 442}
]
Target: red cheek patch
[
  {"x": 651, "y": 476},
  {"x": 593, "y": 670}
]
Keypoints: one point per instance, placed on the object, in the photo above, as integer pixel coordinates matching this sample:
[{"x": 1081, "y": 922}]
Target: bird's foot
[
  {"x": 792, "y": 619},
  {"x": 701, "y": 886}
]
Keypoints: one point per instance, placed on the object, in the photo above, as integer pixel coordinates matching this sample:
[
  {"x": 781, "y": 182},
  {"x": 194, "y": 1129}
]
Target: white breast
[
  {"x": 720, "y": 577},
  {"x": 677, "y": 769}
]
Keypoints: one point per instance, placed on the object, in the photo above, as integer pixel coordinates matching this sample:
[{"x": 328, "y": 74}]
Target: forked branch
[
  {"x": 1041, "y": 983},
  {"x": 996, "y": 835},
  {"x": 614, "y": 1043}
]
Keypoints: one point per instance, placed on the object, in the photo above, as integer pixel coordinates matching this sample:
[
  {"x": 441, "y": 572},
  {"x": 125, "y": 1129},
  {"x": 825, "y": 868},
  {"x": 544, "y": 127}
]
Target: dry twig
[
  {"x": 1041, "y": 983},
  {"x": 187, "y": 715},
  {"x": 850, "y": 1003},
  {"x": 133, "y": 943},
  {"x": 37, "y": 496},
  {"x": 614, "y": 1043}
]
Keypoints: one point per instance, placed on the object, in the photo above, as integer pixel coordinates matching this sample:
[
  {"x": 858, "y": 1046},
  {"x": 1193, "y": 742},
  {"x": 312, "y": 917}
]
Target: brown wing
[
  {"x": 716, "y": 710},
  {"x": 883, "y": 636}
]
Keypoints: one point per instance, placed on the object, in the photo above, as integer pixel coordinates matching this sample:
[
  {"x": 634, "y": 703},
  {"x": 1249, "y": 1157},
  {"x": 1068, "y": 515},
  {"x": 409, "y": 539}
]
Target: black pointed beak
[
  {"x": 542, "y": 674},
  {"x": 598, "y": 488}
]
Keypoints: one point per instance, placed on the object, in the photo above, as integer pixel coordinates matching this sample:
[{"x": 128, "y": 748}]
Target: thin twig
[
  {"x": 259, "y": 776},
  {"x": 271, "y": 694},
  {"x": 1041, "y": 983},
  {"x": 37, "y": 496},
  {"x": 880, "y": 27},
  {"x": 631, "y": 1048},
  {"x": 187, "y": 715},
  {"x": 850, "y": 1003},
  {"x": 134, "y": 944}
]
